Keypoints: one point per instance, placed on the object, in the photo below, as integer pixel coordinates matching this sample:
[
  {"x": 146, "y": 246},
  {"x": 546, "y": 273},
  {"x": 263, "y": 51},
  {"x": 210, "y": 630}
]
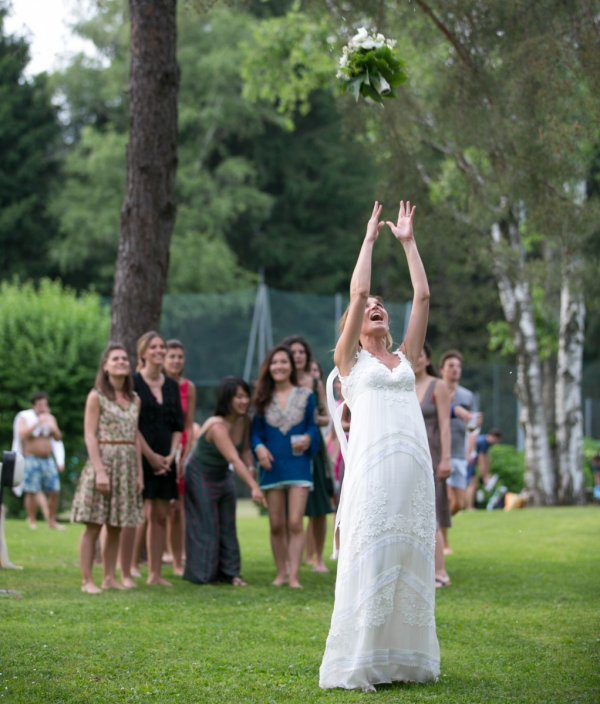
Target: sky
[{"x": 45, "y": 23}]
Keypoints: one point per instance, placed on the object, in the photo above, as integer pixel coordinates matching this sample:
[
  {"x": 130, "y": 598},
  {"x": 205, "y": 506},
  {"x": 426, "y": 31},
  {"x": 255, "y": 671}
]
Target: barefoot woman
[{"x": 109, "y": 488}]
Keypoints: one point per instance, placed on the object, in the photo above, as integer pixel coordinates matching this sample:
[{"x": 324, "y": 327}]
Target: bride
[{"x": 383, "y": 623}]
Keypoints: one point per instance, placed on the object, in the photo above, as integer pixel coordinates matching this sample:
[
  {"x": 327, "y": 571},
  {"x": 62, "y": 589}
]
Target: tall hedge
[{"x": 50, "y": 340}]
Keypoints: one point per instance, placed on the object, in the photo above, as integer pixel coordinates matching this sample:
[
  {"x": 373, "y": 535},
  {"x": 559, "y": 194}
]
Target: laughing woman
[
  {"x": 284, "y": 438},
  {"x": 383, "y": 622},
  {"x": 212, "y": 548}
]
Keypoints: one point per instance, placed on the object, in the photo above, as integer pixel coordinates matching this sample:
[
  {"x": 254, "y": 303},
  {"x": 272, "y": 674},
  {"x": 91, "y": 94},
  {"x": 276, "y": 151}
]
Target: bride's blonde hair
[{"x": 342, "y": 324}]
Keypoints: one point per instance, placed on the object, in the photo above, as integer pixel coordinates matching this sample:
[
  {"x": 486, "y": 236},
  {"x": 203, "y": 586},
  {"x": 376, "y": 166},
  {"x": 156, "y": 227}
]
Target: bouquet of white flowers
[{"x": 370, "y": 67}]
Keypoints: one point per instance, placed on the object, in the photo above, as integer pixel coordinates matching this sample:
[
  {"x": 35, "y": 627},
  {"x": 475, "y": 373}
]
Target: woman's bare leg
[
  {"x": 109, "y": 557},
  {"x": 175, "y": 535},
  {"x": 126, "y": 544},
  {"x": 278, "y": 529},
  {"x": 139, "y": 545},
  {"x": 319, "y": 532},
  {"x": 156, "y": 516},
  {"x": 87, "y": 547},
  {"x": 297, "y": 497}
]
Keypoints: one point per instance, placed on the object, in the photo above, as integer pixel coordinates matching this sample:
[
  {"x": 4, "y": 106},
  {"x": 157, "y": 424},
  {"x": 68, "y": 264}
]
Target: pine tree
[{"x": 29, "y": 135}]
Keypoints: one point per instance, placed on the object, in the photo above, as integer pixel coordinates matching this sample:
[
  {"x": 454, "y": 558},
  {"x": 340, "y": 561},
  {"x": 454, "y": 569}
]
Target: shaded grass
[{"x": 519, "y": 624}]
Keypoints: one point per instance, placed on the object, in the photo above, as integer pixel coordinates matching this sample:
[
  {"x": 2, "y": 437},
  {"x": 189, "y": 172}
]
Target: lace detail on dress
[
  {"x": 286, "y": 418},
  {"x": 379, "y": 377},
  {"x": 397, "y": 592},
  {"x": 383, "y": 623}
]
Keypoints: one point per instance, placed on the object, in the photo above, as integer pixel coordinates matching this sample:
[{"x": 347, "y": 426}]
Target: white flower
[
  {"x": 369, "y": 44},
  {"x": 359, "y": 37}
]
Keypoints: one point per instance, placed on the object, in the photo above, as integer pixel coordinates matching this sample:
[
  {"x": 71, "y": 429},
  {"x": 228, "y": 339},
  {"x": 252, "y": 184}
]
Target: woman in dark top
[
  {"x": 211, "y": 544},
  {"x": 160, "y": 425}
]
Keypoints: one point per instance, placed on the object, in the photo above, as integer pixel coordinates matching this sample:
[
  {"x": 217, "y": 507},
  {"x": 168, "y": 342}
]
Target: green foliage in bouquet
[{"x": 370, "y": 67}]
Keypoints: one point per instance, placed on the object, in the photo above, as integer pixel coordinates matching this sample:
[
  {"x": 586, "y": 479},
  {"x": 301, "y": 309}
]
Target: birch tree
[{"x": 498, "y": 118}]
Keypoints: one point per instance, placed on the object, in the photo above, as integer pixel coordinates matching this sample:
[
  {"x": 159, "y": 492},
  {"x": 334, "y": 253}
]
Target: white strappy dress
[{"x": 383, "y": 622}]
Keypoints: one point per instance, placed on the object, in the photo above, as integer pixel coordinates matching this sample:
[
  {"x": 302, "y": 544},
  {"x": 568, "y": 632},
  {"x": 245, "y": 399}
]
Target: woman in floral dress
[{"x": 109, "y": 488}]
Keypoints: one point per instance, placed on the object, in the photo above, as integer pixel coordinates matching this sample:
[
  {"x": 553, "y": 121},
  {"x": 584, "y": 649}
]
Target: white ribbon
[{"x": 336, "y": 411}]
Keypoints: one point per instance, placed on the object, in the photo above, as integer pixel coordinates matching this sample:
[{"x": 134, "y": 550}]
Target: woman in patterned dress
[
  {"x": 318, "y": 504},
  {"x": 109, "y": 488},
  {"x": 285, "y": 412}
]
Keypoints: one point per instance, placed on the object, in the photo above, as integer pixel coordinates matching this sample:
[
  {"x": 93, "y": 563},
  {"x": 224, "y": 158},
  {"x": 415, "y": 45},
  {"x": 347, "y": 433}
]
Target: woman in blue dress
[{"x": 284, "y": 438}]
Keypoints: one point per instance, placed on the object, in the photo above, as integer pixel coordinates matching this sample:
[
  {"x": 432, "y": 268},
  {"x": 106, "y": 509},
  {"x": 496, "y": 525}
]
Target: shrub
[
  {"x": 50, "y": 340},
  {"x": 591, "y": 447},
  {"x": 509, "y": 464}
]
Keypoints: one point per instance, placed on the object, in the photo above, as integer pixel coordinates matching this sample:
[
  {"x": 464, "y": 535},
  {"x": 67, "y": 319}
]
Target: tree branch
[{"x": 460, "y": 50}]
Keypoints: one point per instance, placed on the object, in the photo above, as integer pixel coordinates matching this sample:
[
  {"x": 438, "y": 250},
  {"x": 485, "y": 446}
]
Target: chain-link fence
[{"x": 230, "y": 334}]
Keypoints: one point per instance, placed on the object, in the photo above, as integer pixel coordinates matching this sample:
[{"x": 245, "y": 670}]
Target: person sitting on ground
[{"x": 479, "y": 459}]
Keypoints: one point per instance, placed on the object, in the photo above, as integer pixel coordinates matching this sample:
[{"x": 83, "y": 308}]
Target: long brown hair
[
  {"x": 342, "y": 323},
  {"x": 142, "y": 345},
  {"x": 103, "y": 384},
  {"x": 296, "y": 339},
  {"x": 263, "y": 393}
]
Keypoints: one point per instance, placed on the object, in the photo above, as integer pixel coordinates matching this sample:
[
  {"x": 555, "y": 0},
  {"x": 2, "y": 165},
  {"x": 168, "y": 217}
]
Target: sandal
[{"x": 238, "y": 582}]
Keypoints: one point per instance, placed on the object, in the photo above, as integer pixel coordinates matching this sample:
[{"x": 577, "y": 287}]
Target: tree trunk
[
  {"x": 569, "y": 418},
  {"x": 515, "y": 298},
  {"x": 549, "y": 396},
  {"x": 148, "y": 213}
]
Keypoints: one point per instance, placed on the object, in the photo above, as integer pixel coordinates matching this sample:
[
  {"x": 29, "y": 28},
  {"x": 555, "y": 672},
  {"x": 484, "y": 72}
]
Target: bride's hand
[
  {"x": 403, "y": 229},
  {"x": 374, "y": 225}
]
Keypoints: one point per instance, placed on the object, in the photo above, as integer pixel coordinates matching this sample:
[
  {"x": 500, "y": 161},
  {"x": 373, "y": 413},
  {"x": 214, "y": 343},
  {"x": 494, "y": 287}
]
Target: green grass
[{"x": 519, "y": 624}]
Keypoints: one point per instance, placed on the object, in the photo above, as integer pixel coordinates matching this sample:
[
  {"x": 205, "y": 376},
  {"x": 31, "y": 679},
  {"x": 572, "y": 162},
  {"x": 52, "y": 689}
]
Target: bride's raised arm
[
  {"x": 360, "y": 286},
  {"x": 417, "y": 325}
]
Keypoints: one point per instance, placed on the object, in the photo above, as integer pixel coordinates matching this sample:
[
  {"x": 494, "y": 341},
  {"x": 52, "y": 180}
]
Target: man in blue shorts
[{"x": 38, "y": 434}]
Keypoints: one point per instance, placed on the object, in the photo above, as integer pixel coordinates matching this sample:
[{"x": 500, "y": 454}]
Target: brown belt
[{"x": 116, "y": 442}]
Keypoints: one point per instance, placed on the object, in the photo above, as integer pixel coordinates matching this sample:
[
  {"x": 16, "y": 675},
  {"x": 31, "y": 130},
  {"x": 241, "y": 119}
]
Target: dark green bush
[{"x": 50, "y": 340}]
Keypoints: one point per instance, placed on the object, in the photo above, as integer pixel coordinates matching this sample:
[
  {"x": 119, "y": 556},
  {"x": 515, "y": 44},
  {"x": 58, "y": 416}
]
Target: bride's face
[{"x": 375, "y": 319}]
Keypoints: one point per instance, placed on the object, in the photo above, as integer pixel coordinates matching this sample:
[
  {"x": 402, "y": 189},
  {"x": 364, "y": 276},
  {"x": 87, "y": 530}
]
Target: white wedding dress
[{"x": 383, "y": 622}]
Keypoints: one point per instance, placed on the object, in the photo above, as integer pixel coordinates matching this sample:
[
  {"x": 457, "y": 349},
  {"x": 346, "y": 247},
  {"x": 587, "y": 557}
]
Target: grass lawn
[{"x": 519, "y": 624}]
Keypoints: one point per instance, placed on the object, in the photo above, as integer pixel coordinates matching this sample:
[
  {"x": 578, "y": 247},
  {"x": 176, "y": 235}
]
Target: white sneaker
[{"x": 491, "y": 482}]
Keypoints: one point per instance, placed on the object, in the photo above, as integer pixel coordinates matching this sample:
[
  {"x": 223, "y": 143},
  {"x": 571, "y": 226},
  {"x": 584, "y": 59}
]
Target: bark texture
[
  {"x": 569, "y": 418},
  {"x": 148, "y": 213}
]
